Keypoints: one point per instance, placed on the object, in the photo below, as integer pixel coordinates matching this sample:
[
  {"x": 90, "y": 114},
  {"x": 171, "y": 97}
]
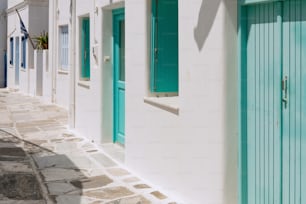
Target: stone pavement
[{"x": 41, "y": 161}]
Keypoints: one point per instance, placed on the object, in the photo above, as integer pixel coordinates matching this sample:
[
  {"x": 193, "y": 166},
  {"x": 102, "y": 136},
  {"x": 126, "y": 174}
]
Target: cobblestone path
[{"x": 41, "y": 161}]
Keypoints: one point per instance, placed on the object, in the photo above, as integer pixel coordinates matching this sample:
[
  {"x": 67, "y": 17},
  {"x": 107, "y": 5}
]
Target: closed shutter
[
  {"x": 85, "y": 72},
  {"x": 11, "y": 50},
  {"x": 64, "y": 54},
  {"x": 23, "y": 51},
  {"x": 164, "y": 69}
]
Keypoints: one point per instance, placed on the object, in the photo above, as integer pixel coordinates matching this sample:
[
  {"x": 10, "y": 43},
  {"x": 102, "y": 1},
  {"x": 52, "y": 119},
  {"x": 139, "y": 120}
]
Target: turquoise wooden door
[
  {"x": 119, "y": 75},
  {"x": 275, "y": 82}
]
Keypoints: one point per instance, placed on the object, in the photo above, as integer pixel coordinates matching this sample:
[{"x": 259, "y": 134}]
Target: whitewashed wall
[
  {"x": 192, "y": 155},
  {"x": 87, "y": 93},
  {"x": 47, "y": 79},
  {"x": 12, "y": 3},
  {"x": 3, "y": 24},
  {"x": 62, "y": 76},
  {"x": 35, "y": 18}
]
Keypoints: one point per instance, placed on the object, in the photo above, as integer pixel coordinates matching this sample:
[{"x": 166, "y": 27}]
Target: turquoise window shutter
[
  {"x": 164, "y": 53},
  {"x": 85, "y": 52}
]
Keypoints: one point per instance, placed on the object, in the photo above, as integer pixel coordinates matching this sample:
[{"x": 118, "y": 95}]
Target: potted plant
[{"x": 42, "y": 41}]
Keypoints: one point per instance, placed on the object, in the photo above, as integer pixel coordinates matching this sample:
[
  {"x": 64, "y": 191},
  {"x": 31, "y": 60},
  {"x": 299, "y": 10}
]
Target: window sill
[
  {"x": 169, "y": 104},
  {"x": 63, "y": 72},
  {"x": 84, "y": 84},
  {"x": 23, "y": 69}
]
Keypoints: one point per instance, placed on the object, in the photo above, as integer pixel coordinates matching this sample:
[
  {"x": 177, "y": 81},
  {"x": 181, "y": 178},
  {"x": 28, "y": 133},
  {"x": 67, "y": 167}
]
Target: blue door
[
  {"x": 17, "y": 61},
  {"x": 119, "y": 75}
]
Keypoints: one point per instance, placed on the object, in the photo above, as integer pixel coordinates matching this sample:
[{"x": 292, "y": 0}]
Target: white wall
[
  {"x": 3, "y": 25},
  {"x": 88, "y": 98},
  {"x": 192, "y": 155},
  {"x": 47, "y": 79},
  {"x": 62, "y": 76},
  {"x": 12, "y": 3}
]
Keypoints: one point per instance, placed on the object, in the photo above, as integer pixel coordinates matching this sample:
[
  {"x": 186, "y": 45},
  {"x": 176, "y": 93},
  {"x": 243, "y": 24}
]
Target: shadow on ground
[{"x": 42, "y": 162}]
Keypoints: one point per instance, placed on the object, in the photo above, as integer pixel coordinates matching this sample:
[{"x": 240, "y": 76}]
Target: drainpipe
[{"x": 72, "y": 34}]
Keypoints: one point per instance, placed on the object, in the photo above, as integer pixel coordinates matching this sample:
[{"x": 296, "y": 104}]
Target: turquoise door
[
  {"x": 17, "y": 61},
  {"x": 274, "y": 97},
  {"x": 119, "y": 75}
]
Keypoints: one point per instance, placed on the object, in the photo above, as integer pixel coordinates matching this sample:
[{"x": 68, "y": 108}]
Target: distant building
[
  {"x": 20, "y": 54},
  {"x": 3, "y": 26}
]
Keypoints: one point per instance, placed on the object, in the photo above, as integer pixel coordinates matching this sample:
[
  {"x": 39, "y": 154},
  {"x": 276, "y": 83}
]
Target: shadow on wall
[{"x": 207, "y": 14}]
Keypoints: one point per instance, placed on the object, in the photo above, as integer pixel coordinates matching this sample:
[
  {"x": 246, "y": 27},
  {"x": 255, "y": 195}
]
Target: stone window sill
[
  {"x": 84, "y": 84},
  {"x": 63, "y": 72},
  {"x": 169, "y": 104}
]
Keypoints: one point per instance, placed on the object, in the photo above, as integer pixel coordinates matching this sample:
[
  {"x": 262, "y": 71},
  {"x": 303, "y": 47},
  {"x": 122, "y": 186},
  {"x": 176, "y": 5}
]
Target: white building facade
[
  {"x": 157, "y": 78},
  {"x": 182, "y": 137},
  {"x": 20, "y": 55},
  {"x": 3, "y": 25}
]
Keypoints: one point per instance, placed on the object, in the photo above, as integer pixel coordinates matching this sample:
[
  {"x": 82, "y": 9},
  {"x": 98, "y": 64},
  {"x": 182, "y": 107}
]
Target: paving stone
[
  {"x": 23, "y": 202},
  {"x": 20, "y": 186},
  {"x": 131, "y": 180},
  {"x": 131, "y": 200},
  {"x": 57, "y": 161},
  {"x": 13, "y": 166},
  {"x": 159, "y": 195},
  {"x": 66, "y": 147},
  {"x": 118, "y": 172},
  {"x": 109, "y": 193},
  {"x": 141, "y": 186},
  {"x": 82, "y": 162},
  {"x": 103, "y": 160},
  {"x": 73, "y": 199},
  {"x": 12, "y": 151},
  {"x": 38, "y": 142},
  {"x": 93, "y": 182},
  {"x": 56, "y": 174},
  {"x": 60, "y": 188},
  {"x": 75, "y": 140}
]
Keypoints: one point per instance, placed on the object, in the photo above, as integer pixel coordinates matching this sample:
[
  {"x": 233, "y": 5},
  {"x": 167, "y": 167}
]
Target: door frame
[{"x": 118, "y": 15}]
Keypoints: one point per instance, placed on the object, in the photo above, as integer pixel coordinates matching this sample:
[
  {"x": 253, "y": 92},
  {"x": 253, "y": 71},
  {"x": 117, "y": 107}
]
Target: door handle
[{"x": 285, "y": 91}]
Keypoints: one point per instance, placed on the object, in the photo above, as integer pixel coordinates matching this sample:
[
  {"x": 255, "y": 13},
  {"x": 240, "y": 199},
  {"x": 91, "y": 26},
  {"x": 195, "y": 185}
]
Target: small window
[
  {"x": 11, "y": 51},
  {"x": 85, "y": 51},
  {"x": 23, "y": 51},
  {"x": 63, "y": 47},
  {"x": 164, "y": 47}
]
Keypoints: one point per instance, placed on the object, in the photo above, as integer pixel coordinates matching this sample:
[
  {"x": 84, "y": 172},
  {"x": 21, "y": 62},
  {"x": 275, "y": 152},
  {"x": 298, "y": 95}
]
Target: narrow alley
[{"x": 41, "y": 161}]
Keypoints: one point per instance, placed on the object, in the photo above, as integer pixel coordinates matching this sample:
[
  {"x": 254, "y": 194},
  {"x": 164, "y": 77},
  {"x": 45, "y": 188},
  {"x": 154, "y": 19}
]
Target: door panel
[
  {"x": 276, "y": 102},
  {"x": 294, "y": 30},
  {"x": 119, "y": 76},
  {"x": 263, "y": 105}
]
